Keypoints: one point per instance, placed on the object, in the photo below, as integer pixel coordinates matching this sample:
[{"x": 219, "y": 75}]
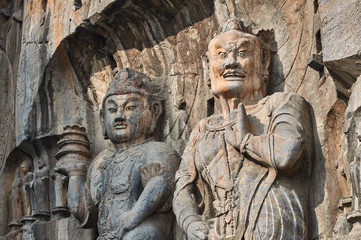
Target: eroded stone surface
[
  {"x": 340, "y": 36},
  {"x": 56, "y": 54}
]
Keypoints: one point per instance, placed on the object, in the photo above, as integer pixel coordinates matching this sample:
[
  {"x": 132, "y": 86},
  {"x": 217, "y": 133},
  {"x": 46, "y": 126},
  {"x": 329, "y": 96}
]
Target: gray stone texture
[
  {"x": 341, "y": 37},
  {"x": 57, "y": 57}
]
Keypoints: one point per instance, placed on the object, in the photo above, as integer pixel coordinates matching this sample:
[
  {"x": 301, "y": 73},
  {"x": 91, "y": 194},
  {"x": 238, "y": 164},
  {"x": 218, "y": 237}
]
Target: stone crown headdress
[
  {"x": 130, "y": 81},
  {"x": 266, "y": 36}
]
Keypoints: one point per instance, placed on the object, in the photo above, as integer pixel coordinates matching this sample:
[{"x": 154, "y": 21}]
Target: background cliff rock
[{"x": 58, "y": 56}]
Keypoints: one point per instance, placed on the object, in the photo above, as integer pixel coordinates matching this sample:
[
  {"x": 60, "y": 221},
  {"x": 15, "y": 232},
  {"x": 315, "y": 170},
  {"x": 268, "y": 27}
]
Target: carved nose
[
  {"x": 231, "y": 61},
  {"x": 231, "y": 64},
  {"x": 120, "y": 116}
]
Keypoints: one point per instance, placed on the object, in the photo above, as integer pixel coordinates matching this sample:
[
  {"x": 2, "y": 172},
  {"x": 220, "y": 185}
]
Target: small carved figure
[
  {"x": 129, "y": 186},
  {"x": 26, "y": 168},
  {"x": 39, "y": 192},
  {"x": 244, "y": 174},
  {"x": 16, "y": 201},
  {"x": 355, "y": 172}
]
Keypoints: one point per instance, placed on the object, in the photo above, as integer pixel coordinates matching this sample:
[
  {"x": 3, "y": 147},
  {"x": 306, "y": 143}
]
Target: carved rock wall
[{"x": 58, "y": 56}]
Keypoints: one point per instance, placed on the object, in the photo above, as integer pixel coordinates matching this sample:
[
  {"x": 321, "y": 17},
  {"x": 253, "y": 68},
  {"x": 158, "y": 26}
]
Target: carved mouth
[
  {"x": 119, "y": 126},
  {"x": 234, "y": 74}
]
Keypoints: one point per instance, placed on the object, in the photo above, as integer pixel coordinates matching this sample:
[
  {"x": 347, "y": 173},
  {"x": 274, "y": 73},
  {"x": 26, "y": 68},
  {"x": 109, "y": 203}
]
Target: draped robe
[{"x": 256, "y": 191}]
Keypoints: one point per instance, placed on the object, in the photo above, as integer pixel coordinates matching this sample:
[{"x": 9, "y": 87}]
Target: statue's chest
[
  {"x": 123, "y": 175},
  {"x": 123, "y": 187},
  {"x": 217, "y": 160},
  {"x": 210, "y": 145}
]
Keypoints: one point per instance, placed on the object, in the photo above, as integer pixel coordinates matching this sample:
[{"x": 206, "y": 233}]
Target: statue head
[
  {"x": 238, "y": 62},
  {"x": 26, "y": 166},
  {"x": 41, "y": 163},
  {"x": 131, "y": 107}
]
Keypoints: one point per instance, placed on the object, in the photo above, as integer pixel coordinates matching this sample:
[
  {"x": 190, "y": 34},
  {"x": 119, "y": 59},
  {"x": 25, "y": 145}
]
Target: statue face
[
  {"x": 127, "y": 118},
  {"x": 24, "y": 168},
  {"x": 235, "y": 64}
]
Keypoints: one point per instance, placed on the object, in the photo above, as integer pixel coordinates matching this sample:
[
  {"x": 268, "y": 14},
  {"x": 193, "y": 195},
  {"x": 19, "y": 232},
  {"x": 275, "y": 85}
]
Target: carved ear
[
  {"x": 156, "y": 110},
  {"x": 104, "y": 131},
  {"x": 206, "y": 56},
  {"x": 205, "y": 66},
  {"x": 266, "y": 59},
  {"x": 269, "y": 45}
]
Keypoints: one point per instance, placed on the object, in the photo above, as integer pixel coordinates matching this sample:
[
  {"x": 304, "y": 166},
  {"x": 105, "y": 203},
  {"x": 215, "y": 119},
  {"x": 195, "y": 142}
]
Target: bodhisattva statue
[
  {"x": 129, "y": 186},
  {"x": 244, "y": 173}
]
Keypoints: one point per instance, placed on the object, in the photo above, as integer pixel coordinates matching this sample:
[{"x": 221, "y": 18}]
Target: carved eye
[
  {"x": 112, "y": 109},
  {"x": 223, "y": 55},
  {"x": 241, "y": 54},
  {"x": 130, "y": 108}
]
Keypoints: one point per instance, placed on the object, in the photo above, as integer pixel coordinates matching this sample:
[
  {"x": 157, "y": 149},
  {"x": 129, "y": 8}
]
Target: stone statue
[
  {"x": 26, "y": 169},
  {"x": 355, "y": 172},
  {"x": 38, "y": 191},
  {"x": 244, "y": 174},
  {"x": 129, "y": 186},
  {"x": 16, "y": 202}
]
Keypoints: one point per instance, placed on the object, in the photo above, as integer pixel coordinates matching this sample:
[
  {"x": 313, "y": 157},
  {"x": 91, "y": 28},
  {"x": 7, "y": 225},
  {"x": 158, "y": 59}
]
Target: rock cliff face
[{"x": 57, "y": 58}]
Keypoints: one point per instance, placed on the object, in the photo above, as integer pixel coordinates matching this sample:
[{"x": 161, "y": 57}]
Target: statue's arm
[
  {"x": 184, "y": 203},
  {"x": 185, "y": 208},
  {"x": 156, "y": 191},
  {"x": 282, "y": 146},
  {"x": 78, "y": 193},
  {"x": 157, "y": 179}
]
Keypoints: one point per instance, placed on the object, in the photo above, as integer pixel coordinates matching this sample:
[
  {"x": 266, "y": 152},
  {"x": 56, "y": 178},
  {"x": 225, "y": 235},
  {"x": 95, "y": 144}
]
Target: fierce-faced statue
[{"x": 244, "y": 174}]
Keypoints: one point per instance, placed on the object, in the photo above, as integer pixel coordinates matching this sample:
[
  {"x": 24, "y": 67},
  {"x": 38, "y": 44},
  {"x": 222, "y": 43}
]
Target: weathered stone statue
[
  {"x": 38, "y": 190},
  {"x": 129, "y": 186},
  {"x": 16, "y": 202},
  {"x": 355, "y": 172},
  {"x": 26, "y": 168},
  {"x": 244, "y": 174}
]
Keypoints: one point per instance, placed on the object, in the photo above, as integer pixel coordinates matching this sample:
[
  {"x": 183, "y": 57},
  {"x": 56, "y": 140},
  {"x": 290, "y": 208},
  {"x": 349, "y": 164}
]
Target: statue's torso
[
  {"x": 235, "y": 180},
  {"x": 116, "y": 186},
  {"x": 116, "y": 181}
]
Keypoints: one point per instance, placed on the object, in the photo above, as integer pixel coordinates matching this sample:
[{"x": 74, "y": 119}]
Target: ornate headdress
[{"x": 130, "y": 81}]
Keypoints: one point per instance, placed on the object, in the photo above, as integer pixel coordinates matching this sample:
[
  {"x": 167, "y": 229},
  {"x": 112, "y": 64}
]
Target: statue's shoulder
[
  {"x": 201, "y": 124},
  {"x": 155, "y": 149},
  {"x": 162, "y": 153},
  {"x": 100, "y": 160},
  {"x": 292, "y": 104},
  {"x": 287, "y": 98}
]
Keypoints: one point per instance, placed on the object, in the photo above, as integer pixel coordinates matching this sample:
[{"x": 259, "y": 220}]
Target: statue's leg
[{"x": 158, "y": 227}]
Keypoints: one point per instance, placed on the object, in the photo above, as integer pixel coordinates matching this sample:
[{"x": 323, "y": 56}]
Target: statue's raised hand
[
  {"x": 240, "y": 128},
  {"x": 70, "y": 166}
]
